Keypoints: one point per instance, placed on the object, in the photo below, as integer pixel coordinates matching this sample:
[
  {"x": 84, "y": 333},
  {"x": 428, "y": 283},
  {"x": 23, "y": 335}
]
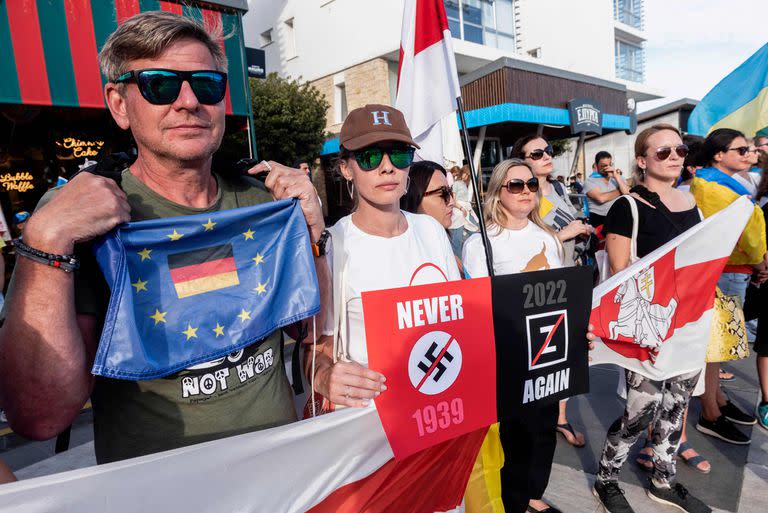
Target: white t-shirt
[
  {"x": 375, "y": 263},
  {"x": 514, "y": 251}
]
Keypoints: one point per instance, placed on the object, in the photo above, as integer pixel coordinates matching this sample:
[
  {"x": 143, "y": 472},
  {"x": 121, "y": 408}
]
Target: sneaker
[
  {"x": 611, "y": 497},
  {"x": 678, "y": 497},
  {"x": 723, "y": 429},
  {"x": 737, "y": 415},
  {"x": 762, "y": 415}
]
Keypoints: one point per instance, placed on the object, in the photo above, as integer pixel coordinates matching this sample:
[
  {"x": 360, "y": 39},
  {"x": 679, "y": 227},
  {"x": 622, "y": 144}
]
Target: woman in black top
[{"x": 663, "y": 213}]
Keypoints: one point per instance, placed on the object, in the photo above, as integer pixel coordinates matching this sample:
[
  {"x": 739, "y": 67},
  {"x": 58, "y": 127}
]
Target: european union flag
[
  {"x": 187, "y": 290},
  {"x": 739, "y": 101}
]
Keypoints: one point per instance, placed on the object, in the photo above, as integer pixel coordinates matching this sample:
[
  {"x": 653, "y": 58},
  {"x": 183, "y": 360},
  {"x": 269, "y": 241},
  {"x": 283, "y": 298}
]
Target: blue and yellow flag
[
  {"x": 739, "y": 101},
  {"x": 714, "y": 190},
  {"x": 187, "y": 290}
]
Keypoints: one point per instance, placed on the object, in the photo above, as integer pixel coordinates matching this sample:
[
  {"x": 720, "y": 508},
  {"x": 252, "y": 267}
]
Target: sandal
[
  {"x": 693, "y": 461},
  {"x": 726, "y": 376},
  {"x": 565, "y": 429},
  {"x": 645, "y": 460}
]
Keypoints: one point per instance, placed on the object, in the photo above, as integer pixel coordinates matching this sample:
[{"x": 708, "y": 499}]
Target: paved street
[
  {"x": 739, "y": 473},
  {"x": 737, "y": 483}
]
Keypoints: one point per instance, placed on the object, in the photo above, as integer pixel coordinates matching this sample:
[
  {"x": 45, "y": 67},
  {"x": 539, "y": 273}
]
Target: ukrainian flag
[
  {"x": 739, "y": 101},
  {"x": 715, "y": 190}
]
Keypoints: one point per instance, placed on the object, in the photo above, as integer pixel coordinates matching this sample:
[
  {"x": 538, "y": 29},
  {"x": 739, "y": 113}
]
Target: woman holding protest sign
[
  {"x": 378, "y": 246},
  {"x": 520, "y": 242},
  {"x": 651, "y": 216},
  {"x": 557, "y": 211}
]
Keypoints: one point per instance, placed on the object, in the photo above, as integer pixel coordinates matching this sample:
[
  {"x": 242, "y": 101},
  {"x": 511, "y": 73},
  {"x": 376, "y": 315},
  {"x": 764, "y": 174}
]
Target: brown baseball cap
[{"x": 374, "y": 123}]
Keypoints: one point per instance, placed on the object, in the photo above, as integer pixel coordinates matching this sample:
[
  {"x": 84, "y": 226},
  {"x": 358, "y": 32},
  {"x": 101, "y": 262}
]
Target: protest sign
[
  {"x": 540, "y": 323},
  {"x": 434, "y": 343}
]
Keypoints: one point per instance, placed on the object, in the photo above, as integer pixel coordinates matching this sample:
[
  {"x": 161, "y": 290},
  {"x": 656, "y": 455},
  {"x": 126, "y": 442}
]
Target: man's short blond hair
[{"x": 149, "y": 34}]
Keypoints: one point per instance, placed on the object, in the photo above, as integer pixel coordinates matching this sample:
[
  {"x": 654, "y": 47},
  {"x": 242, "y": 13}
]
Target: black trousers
[{"x": 529, "y": 446}]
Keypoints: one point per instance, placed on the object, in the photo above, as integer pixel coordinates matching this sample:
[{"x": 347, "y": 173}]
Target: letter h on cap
[{"x": 381, "y": 116}]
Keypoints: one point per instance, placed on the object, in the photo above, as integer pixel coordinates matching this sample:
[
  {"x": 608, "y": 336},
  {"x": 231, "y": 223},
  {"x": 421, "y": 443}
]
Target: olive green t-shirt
[{"x": 242, "y": 392}]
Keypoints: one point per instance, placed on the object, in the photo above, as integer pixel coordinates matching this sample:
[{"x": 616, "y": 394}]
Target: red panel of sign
[{"x": 434, "y": 343}]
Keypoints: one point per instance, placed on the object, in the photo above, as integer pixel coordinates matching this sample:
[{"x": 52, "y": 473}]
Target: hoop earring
[
  {"x": 351, "y": 189},
  {"x": 407, "y": 184}
]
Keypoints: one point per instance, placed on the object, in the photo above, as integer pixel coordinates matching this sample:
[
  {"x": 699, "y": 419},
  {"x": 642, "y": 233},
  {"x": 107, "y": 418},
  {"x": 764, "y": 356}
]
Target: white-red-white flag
[
  {"x": 335, "y": 463},
  {"x": 654, "y": 317},
  {"x": 428, "y": 83}
]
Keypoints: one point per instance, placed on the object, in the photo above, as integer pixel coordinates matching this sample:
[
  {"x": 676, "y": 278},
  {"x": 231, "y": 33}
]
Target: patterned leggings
[{"x": 661, "y": 403}]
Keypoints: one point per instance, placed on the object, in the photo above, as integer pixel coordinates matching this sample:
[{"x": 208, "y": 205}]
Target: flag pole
[{"x": 473, "y": 176}]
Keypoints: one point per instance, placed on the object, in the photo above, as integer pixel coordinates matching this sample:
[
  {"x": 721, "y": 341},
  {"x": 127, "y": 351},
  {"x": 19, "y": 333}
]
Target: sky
[{"x": 693, "y": 44}]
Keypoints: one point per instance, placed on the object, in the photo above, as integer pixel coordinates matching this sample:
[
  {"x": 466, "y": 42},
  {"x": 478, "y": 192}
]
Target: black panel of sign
[{"x": 540, "y": 323}]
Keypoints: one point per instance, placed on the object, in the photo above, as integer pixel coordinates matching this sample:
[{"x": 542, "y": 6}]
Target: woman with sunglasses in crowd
[
  {"x": 558, "y": 213},
  {"x": 726, "y": 153},
  {"x": 428, "y": 193},
  {"x": 520, "y": 242},
  {"x": 378, "y": 246},
  {"x": 662, "y": 213}
]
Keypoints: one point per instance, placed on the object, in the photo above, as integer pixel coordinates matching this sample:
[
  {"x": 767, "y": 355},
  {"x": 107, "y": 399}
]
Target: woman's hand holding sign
[{"x": 345, "y": 383}]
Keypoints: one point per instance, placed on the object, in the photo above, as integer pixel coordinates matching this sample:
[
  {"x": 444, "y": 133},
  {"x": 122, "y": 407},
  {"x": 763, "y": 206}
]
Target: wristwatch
[{"x": 318, "y": 248}]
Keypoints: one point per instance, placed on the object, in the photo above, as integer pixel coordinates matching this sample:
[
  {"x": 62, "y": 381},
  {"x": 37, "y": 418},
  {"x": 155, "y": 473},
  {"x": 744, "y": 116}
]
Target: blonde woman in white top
[{"x": 520, "y": 242}]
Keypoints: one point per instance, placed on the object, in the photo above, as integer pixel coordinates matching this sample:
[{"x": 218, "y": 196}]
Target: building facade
[
  {"x": 540, "y": 53},
  {"x": 341, "y": 45}
]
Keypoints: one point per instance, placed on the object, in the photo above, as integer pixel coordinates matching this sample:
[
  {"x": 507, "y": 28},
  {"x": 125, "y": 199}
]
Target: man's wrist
[{"x": 50, "y": 241}]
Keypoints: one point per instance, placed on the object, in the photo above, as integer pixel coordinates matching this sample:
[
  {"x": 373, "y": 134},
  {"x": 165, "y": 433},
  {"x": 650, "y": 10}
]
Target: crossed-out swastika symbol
[
  {"x": 431, "y": 357},
  {"x": 435, "y": 362}
]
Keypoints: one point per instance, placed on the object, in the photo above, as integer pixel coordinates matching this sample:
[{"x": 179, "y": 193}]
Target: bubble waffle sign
[{"x": 20, "y": 181}]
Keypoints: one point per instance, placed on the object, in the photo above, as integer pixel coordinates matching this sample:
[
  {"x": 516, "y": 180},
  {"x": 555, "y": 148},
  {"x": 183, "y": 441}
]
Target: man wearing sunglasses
[
  {"x": 603, "y": 189},
  {"x": 167, "y": 86}
]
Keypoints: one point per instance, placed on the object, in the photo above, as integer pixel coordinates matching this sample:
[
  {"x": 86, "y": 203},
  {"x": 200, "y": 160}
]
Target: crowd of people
[{"x": 406, "y": 214}]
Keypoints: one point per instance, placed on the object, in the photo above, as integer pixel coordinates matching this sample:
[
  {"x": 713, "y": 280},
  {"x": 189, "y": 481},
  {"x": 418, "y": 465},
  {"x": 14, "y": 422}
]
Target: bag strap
[
  {"x": 655, "y": 201},
  {"x": 558, "y": 188},
  {"x": 339, "y": 264},
  {"x": 635, "y": 228}
]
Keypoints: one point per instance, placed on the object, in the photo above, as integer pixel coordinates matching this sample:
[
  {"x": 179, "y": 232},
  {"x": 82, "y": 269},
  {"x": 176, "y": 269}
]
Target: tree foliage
[
  {"x": 560, "y": 146},
  {"x": 289, "y": 119}
]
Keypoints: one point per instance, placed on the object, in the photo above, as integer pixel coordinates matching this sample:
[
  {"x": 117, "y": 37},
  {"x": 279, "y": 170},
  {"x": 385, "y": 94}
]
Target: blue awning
[{"x": 515, "y": 113}]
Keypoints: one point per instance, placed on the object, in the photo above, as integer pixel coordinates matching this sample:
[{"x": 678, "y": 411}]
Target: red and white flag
[
  {"x": 654, "y": 317},
  {"x": 340, "y": 462},
  {"x": 428, "y": 83}
]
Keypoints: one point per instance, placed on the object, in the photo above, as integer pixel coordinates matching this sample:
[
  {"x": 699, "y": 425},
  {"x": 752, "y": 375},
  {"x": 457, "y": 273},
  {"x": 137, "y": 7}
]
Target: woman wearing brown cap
[{"x": 377, "y": 247}]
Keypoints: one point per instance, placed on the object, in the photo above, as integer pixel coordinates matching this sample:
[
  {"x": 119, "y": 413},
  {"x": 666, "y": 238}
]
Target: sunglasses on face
[
  {"x": 539, "y": 154},
  {"x": 445, "y": 193},
  {"x": 370, "y": 158},
  {"x": 665, "y": 152},
  {"x": 516, "y": 185},
  {"x": 162, "y": 86},
  {"x": 741, "y": 150}
]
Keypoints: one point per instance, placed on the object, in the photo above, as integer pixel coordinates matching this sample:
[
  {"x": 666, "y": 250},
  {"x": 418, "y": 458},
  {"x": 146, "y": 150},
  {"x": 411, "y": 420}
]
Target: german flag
[{"x": 203, "y": 270}]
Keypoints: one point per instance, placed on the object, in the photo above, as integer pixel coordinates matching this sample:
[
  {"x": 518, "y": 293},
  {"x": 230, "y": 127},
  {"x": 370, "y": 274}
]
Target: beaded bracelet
[{"x": 66, "y": 263}]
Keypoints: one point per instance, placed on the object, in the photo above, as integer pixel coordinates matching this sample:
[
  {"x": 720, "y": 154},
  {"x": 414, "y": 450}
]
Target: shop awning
[{"x": 49, "y": 49}]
